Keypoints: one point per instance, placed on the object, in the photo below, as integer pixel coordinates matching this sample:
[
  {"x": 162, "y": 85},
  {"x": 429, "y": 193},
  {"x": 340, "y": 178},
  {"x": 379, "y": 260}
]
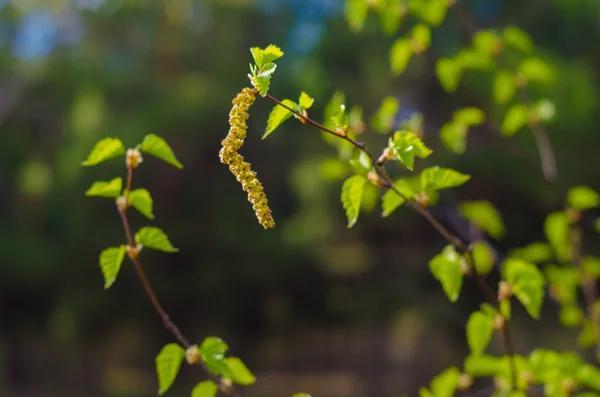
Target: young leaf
[
  {"x": 470, "y": 116},
  {"x": 446, "y": 268},
  {"x": 168, "y": 363},
  {"x": 238, "y": 372},
  {"x": 400, "y": 55},
  {"x": 483, "y": 256},
  {"x": 142, "y": 201},
  {"x": 444, "y": 384},
  {"x": 383, "y": 120},
  {"x": 480, "y": 328},
  {"x": 516, "y": 118},
  {"x": 262, "y": 84},
  {"x": 268, "y": 55},
  {"x": 587, "y": 336},
  {"x": 485, "y": 216},
  {"x": 391, "y": 200},
  {"x": 104, "y": 150},
  {"x": 437, "y": 178},
  {"x": 212, "y": 352},
  {"x": 156, "y": 146},
  {"x": 486, "y": 41},
  {"x": 106, "y": 189},
  {"x": 449, "y": 72},
  {"x": 278, "y": 115},
  {"x": 154, "y": 238},
  {"x": 305, "y": 101},
  {"x": 406, "y": 145},
  {"x": 208, "y": 388},
  {"x": 583, "y": 198},
  {"x": 361, "y": 163},
  {"x": 421, "y": 35},
  {"x": 570, "y": 316},
  {"x": 537, "y": 252},
  {"x": 454, "y": 137},
  {"x": 356, "y": 13},
  {"x": 424, "y": 392},
  {"x": 486, "y": 365},
  {"x": 589, "y": 376},
  {"x": 110, "y": 264},
  {"x": 504, "y": 87},
  {"x": 527, "y": 284},
  {"x": 352, "y": 194},
  {"x": 534, "y": 69},
  {"x": 556, "y": 228},
  {"x": 517, "y": 39}
]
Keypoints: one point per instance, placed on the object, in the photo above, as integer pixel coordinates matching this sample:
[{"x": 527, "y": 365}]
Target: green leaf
[
  {"x": 587, "y": 336},
  {"x": 301, "y": 395},
  {"x": 391, "y": 14},
  {"x": 110, "y": 264},
  {"x": 352, "y": 194},
  {"x": 516, "y": 118},
  {"x": 556, "y": 228},
  {"x": 238, "y": 372},
  {"x": 106, "y": 189},
  {"x": 268, "y": 55},
  {"x": 391, "y": 200},
  {"x": 454, "y": 137},
  {"x": 104, "y": 150},
  {"x": 356, "y": 13},
  {"x": 213, "y": 348},
  {"x": 527, "y": 284},
  {"x": 437, "y": 178},
  {"x": 383, "y": 120},
  {"x": 156, "y": 146},
  {"x": 534, "y": 69},
  {"x": 589, "y": 376},
  {"x": 570, "y": 316},
  {"x": 406, "y": 145},
  {"x": 142, "y": 201},
  {"x": 305, "y": 101},
  {"x": 470, "y": 58},
  {"x": 537, "y": 252},
  {"x": 168, "y": 363},
  {"x": 504, "y": 87},
  {"x": 565, "y": 281},
  {"x": 208, "y": 388},
  {"x": 421, "y": 35},
  {"x": 444, "y": 384},
  {"x": 591, "y": 265},
  {"x": 517, "y": 39},
  {"x": 486, "y": 41},
  {"x": 446, "y": 268},
  {"x": 583, "y": 198},
  {"x": 361, "y": 163},
  {"x": 505, "y": 309},
  {"x": 424, "y": 392},
  {"x": 469, "y": 116},
  {"x": 432, "y": 12},
  {"x": 486, "y": 365},
  {"x": 483, "y": 256},
  {"x": 262, "y": 84},
  {"x": 154, "y": 238},
  {"x": 278, "y": 115},
  {"x": 449, "y": 72},
  {"x": 480, "y": 328},
  {"x": 485, "y": 216},
  {"x": 400, "y": 55}
]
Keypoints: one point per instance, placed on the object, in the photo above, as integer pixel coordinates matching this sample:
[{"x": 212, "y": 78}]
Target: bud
[
  {"x": 192, "y": 355},
  {"x": 465, "y": 381},
  {"x": 423, "y": 199},
  {"x": 385, "y": 156},
  {"x": 133, "y": 252},
  {"x": 527, "y": 378},
  {"x": 464, "y": 267},
  {"x": 133, "y": 158},
  {"x": 568, "y": 385},
  {"x": 504, "y": 291},
  {"x": 498, "y": 322},
  {"x": 573, "y": 216},
  {"x": 376, "y": 180},
  {"x": 122, "y": 203},
  {"x": 225, "y": 385}
]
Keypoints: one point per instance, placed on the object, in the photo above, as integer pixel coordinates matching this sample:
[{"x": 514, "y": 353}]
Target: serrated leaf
[
  {"x": 207, "y": 388},
  {"x": 355, "y": 13},
  {"x": 104, "y": 150},
  {"x": 154, "y": 238},
  {"x": 262, "y": 84},
  {"x": 483, "y": 256},
  {"x": 352, "y": 194},
  {"x": 158, "y": 147},
  {"x": 444, "y": 384},
  {"x": 238, "y": 372},
  {"x": 527, "y": 284},
  {"x": 536, "y": 252},
  {"x": 391, "y": 200},
  {"x": 446, "y": 268},
  {"x": 454, "y": 137},
  {"x": 405, "y": 145},
  {"x": 278, "y": 115},
  {"x": 480, "y": 329},
  {"x": 504, "y": 87},
  {"x": 383, "y": 120},
  {"x": 535, "y": 69},
  {"x": 583, "y": 198},
  {"x": 305, "y": 101},
  {"x": 142, "y": 201},
  {"x": 517, "y": 39},
  {"x": 470, "y": 116},
  {"x": 400, "y": 54},
  {"x": 212, "y": 350},
  {"x": 556, "y": 228},
  {"x": 267, "y": 55},
  {"x": 516, "y": 118},
  {"x": 448, "y": 72},
  {"x": 110, "y": 264},
  {"x": 437, "y": 178},
  {"x": 485, "y": 216},
  {"x": 106, "y": 189},
  {"x": 168, "y": 363},
  {"x": 421, "y": 34}
]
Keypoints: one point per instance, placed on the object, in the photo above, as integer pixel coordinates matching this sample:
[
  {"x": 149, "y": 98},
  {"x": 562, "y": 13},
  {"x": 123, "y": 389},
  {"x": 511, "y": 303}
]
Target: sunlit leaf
[
  {"x": 537, "y": 252},
  {"x": 421, "y": 35},
  {"x": 106, "y": 189},
  {"x": 267, "y": 55},
  {"x": 406, "y": 145},
  {"x": 156, "y": 146},
  {"x": 305, "y": 101},
  {"x": 504, "y": 87},
  {"x": 278, "y": 115},
  {"x": 444, "y": 384},
  {"x": 587, "y": 336},
  {"x": 154, "y": 238},
  {"x": 589, "y": 375},
  {"x": 142, "y": 201},
  {"x": 356, "y": 12},
  {"x": 208, "y": 388},
  {"x": 556, "y": 228},
  {"x": 454, "y": 137},
  {"x": 168, "y": 363},
  {"x": 446, "y": 268},
  {"x": 361, "y": 163},
  {"x": 400, "y": 55},
  {"x": 480, "y": 329},
  {"x": 352, "y": 194},
  {"x": 486, "y": 365},
  {"x": 485, "y": 216},
  {"x": 570, "y": 316},
  {"x": 262, "y": 84},
  {"x": 565, "y": 281},
  {"x": 383, "y": 120},
  {"x": 110, "y": 264},
  {"x": 517, "y": 39},
  {"x": 469, "y": 116},
  {"x": 391, "y": 13},
  {"x": 483, "y": 256},
  {"x": 516, "y": 118},
  {"x": 583, "y": 198},
  {"x": 591, "y": 265},
  {"x": 104, "y": 150},
  {"x": 527, "y": 284},
  {"x": 449, "y": 72},
  {"x": 238, "y": 372},
  {"x": 535, "y": 69},
  {"x": 391, "y": 200},
  {"x": 437, "y": 178}
]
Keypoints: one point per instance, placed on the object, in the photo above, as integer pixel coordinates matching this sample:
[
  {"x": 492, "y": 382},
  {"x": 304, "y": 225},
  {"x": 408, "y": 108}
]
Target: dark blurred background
[{"x": 310, "y": 305}]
